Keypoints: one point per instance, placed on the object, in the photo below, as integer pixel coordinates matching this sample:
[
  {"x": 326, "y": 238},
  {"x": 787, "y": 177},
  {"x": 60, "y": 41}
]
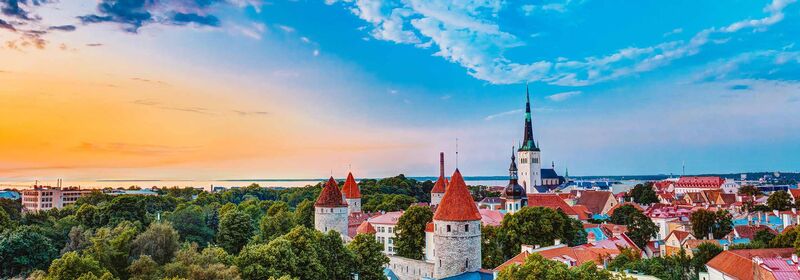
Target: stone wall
[
  {"x": 409, "y": 269},
  {"x": 436, "y": 198},
  {"x": 457, "y": 250},
  {"x": 331, "y": 218},
  {"x": 353, "y": 205}
]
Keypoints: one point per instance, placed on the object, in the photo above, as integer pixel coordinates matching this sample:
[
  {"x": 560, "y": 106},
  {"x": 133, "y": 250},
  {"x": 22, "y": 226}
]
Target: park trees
[
  {"x": 159, "y": 241},
  {"x": 705, "y": 222},
  {"x": 235, "y": 229},
  {"x": 369, "y": 257},
  {"x": 779, "y": 200},
  {"x": 410, "y": 230}
]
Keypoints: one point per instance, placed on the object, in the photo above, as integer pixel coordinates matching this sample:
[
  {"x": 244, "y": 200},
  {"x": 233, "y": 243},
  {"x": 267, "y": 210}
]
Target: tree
[
  {"x": 410, "y": 231},
  {"x": 159, "y": 241},
  {"x": 641, "y": 229},
  {"x": 779, "y": 200},
  {"x": 88, "y": 216},
  {"x": 785, "y": 239},
  {"x": 78, "y": 239},
  {"x": 491, "y": 248},
  {"x": 369, "y": 257},
  {"x": 213, "y": 263},
  {"x": 144, "y": 268},
  {"x": 304, "y": 214},
  {"x": 387, "y": 202},
  {"x": 623, "y": 214},
  {"x": 305, "y": 242},
  {"x": 111, "y": 247},
  {"x": 749, "y": 190},
  {"x": 705, "y": 252},
  {"x": 23, "y": 250},
  {"x": 72, "y": 266},
  {"x": 764, "y": 236},
  {"x": 262, "y": 261},
  {"x": 126, "y": 208},
  {"x": 538, "y": 267},
  {"x": 235, "y": 229},
  {"x": 12, "y": 207},
  {"x": 278, "y": 221},
  {"x": 537, "y": 226},
  {"x": 5, "y": 221},
  {"x": 644, "y": 194},
  {"x": 191, "y": 223},
  {"x": 338, "y": 261},
  {"x": 705, "y": 222}
]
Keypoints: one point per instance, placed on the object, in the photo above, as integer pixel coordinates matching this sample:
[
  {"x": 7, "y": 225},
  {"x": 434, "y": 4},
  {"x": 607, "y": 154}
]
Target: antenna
[
  {"x": 684, "y": 168},
  {"x": 456, "y": 153}
]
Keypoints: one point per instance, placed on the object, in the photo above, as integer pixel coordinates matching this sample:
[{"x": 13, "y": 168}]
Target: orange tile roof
[
  {"x": 681, "y": 235},
  {"x": 457, "y": 203},
  {"x": 366, "y": 228},
  {"x": 582, "y": 211},
  {"x": 795, "y": 193},
  {"x": 440, "y": 185},
  {"x": 429, "y": 227},
  {"x": 330, "y": 195},
  {"x": 518, "y": 259},
  {"x": 579, "y": 254},
  {"x": 739, "y": 263},
  {"x": 552, "y": 201},
  {"x": 350, "y": 188},
  {"x": 594, "y": 200}
]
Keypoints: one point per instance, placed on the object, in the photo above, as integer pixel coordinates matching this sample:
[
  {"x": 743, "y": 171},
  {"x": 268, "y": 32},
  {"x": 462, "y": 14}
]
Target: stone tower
[
  {"x": 438, "y": 189},
  {"x": 352, "y": 194},
  {"x": 457, "y": 231},
  {"x": 515, "y": 195},
  {"x": 330, "y": 211},
  {"x": 530, "y": 162}
]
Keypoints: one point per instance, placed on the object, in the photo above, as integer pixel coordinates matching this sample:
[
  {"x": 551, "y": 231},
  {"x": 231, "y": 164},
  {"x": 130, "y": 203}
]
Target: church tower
[
  {"x": 530, "y": 163},
  {"x": 456, "y": 231},
  {"x": 352, "y": 194},
  {"x": 330, "y": 210},
  {"x": 437, "y": 192},
  {"x": 514, "y": 194}
]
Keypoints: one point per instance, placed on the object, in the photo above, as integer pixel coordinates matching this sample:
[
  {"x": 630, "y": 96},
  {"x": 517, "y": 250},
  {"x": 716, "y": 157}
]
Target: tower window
[
  {"x": 466, "y": 228},
  {"x": 448, "y": 228}
]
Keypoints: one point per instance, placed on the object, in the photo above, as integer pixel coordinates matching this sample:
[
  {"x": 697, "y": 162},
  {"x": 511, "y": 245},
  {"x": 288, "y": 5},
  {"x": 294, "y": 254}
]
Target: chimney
[
  {"x": 441, "y": 164},
  {"x": 794, "y": 258},
  {"x": 776, "y": 212}
]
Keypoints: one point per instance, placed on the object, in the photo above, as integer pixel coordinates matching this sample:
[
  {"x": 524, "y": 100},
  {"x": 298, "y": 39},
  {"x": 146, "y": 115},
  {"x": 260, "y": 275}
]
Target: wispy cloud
[
  {"x": 673, "y": 32},
  {"x": 503, "y": 114},
  {"x": 558, "y": 97},
  {"x": 286, "y": 28},
  {"x": 159, "y": 105}
]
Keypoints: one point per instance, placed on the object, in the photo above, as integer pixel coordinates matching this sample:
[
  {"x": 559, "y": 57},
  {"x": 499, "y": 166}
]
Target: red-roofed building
[
  {"x": 441, "y": 184},
  {"x": 331, "y": 210},
  {"x": 749, "y": 231},
  {"x": 635, "y": 205},
  {"x": 491, "y": 217},
  {"x": 456, "y": 231},
  {"x": 690, "y": 184},
  {"x": 457, "y": 204},
  {"x": 352, "y": 194},
  {"x": 552, "y": 201},
  {"x": 365, "y": 228},
  {"x": 747, "y": 264},
  {"x": 598, "y": 202},
  {"x": 674, "y": 242}
]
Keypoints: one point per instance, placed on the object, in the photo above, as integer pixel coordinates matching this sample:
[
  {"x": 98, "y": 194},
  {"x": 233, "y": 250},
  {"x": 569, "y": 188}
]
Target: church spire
[
  {"x": 527, "y": 142},
  {"x": 512, "y": 170}
]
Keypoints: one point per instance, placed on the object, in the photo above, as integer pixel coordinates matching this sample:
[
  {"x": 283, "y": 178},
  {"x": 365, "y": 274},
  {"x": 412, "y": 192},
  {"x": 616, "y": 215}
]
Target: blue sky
[{"x": 618, "y": 87}]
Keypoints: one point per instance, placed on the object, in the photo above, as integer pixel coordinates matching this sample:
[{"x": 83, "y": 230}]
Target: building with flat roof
[{"x": 46, "y": 198}]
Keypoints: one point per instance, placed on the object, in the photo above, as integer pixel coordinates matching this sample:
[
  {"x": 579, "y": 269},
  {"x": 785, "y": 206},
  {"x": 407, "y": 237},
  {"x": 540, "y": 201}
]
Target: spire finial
[
  {"x": 456, "y": 153},
  {"x": 527, "y": 92}
]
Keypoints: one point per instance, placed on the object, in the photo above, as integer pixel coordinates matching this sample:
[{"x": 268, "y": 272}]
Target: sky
[{"x": 223, "y": 89}]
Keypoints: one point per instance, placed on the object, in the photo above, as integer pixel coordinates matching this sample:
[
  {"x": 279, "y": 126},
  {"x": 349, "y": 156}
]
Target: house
[
  {"x": 674, "y": 242},
  {"x": 635, "y": 205},
  {"x": 384, "y": 229},
  {"x": 552, "y": 201},
  {"x": 690, "y": 245},
  {"x": 598, "y": 252},
  {"x": 749, "y": 231},
  {"x": 492, "y": 203},
  {"x": 775, "y": 263},
  {"x": 690, "y": 184},
  {"x": 491, "y": 217},
  {"x": 598, "y": 202}
]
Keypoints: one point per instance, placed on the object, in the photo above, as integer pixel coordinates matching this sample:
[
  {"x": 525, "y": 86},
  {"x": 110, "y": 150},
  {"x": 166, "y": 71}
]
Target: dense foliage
[
  {"x": 538, "y": 267},
  {"x": 244, "y": 233},
  {"x": 643, "y": 194},
  {"x": 640, "y": 227},
  {"x": 705, "y": 222},
  {"x": 410, "y": 231}
]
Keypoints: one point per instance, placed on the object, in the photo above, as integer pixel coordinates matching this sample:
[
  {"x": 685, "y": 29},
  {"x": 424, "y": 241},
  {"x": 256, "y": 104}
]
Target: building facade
[
  {"x": 330, "y": 210},
  {"x": 352, "y": 194},
  {"x": 44, "y": 198},
  {"x": 530, "y": 161},
  {"x": 456, "y": 232}
]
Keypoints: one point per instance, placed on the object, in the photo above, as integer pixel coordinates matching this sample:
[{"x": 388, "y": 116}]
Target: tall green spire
[{"x": 527, "y": 142}]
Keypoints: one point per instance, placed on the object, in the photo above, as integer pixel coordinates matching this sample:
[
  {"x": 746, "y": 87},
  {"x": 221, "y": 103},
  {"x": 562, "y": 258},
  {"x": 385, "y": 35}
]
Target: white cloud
[
  {"x": 305, "y": 40},
  {"x": 253, "y": 31},
  {"x": 286, "y": 28},
  {"x": 673, "y": 32},
  {"x": 555, "y": 6},
  {"x": 315, "y": 53},
  {"x": 558, "y": 97},
  {"x": 502, "y": 114},
  {"x": 467, "y": 33}
]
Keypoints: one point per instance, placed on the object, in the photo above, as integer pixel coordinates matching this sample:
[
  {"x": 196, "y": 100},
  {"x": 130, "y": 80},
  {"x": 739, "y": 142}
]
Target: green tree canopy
[
  {"x": 538, "y": 267},
  {"x": 369, "y": 257},
  {"x": 23, "y": 250},
  {"x": 538, "y": 226},
  {"x": 410, "y": 232},
  {"x": 72, "y": 266},
  {"x": 705, "y": 252},
  {"x": 718, "y": 223},
  {"x": 304, "y": 214},
  {"x": 779, "y": 200},
  {"x": 192, "y": 224},
  {"x": 235, "y": 230},
  {"x": 644, "y": 194},
  {"x": 749, "y": 190},
  {"x": 159, "y": 241}
]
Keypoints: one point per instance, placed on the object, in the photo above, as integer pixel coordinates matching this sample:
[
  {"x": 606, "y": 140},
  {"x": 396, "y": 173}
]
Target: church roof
[
  {"x": 549, "y": 173},
  {"x": 528, "y": 143},
  {"x": 366, "y": 228},
  {"x": 457, "y": 203},
  {"x": 350, "y": 188},
  {"x": 330, "y": 195}
]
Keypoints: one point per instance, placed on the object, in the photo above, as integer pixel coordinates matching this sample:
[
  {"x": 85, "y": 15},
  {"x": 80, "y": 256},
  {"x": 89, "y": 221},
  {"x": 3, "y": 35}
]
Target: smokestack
[{"x": 441, "y": 164}]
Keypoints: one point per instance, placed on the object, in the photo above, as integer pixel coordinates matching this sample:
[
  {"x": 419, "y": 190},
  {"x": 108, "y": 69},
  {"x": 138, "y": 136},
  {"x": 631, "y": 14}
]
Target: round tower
[
  {"x": 457, "y": 231},
  {"x": 352, "y": 194},
  {"x": 437, "y": 192},
  {"x": 514, "y": 194},
  {"x": 330, "y": 211}
]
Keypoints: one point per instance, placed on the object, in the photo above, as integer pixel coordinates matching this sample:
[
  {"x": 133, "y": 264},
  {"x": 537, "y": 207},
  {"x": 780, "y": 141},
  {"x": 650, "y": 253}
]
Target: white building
[
  {"x": 330, "y": 210},
  {"x": 45, "y": 198},
  {"x": 385, "y": 230},
  {"x": 530, "y": 162}
]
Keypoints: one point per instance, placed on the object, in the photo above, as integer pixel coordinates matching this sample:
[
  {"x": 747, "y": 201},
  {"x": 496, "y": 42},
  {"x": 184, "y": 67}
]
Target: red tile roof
[
  {"x": 350, "y": 188},
  {"x": 635, "y": 205},
  {"x": 440, "y": 185},
  {"x": 700, "y": 182},
  {"x": 366, "y": 228},
  {"x": 749, "y": 231},
  {"x": 429, "y": 227},
  {"x": 330, "y": 195},
  {"x": 681, "y": 235},
  {"x": 457, "y": 203},
  {"x": 594, "y": 200},
  {"x": 579, "y": 255},
  {"x": 795, "y": 193},
  {"x": 552, "y": 201},
  {"x": 582, "y": 211},
  {"x": 739, "y": 263}
]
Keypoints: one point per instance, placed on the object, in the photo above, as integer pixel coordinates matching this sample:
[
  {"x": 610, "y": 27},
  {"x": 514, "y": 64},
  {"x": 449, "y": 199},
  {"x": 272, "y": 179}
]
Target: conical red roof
[
  {"x": 350, "y": 188},
  {"x": 457, "y": 203},
  {"x": 366, "y": 228},
  {"x": 330, "y": 195},
  {"x": 440, "y": 185}
]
